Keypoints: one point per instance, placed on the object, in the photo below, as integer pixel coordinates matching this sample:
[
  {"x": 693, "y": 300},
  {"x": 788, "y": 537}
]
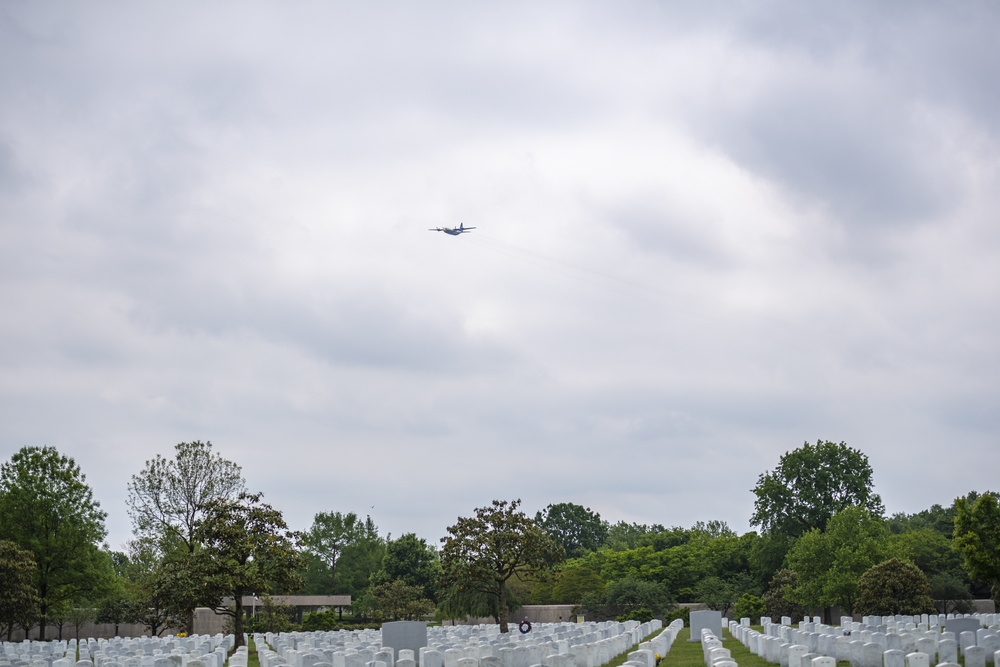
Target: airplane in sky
[{"x": 454, "y": 231}]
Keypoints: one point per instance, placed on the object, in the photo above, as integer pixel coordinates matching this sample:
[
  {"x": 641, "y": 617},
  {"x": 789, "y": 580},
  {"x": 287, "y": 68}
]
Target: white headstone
[{"x": 975, "y": 656}]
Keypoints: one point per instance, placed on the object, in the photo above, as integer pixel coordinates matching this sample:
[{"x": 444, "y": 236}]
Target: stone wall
[{"x": 536, "y": 613}]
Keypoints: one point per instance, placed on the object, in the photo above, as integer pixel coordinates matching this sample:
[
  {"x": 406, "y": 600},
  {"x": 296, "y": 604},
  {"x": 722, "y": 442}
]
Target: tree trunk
[
  {"x": 238, "y": 619},
  {"x": 502, "y": 608}
]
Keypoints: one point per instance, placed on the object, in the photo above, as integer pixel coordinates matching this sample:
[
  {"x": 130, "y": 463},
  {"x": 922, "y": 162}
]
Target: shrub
[
  {"x": 894, "y": 587},
  {"x": 683, "y": 613},
  {"x": 749, "y": 606},
  {"x": 642, "y": 614}
]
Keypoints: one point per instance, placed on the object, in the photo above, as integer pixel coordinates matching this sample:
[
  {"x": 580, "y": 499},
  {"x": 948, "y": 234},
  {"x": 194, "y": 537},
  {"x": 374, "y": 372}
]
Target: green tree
[
  {"x": 362, "y": 560},
  {"x": 398, "y": 601},
  {"x": 575, "y": 528},
  {"x": 18, "y": 599},
  {"x": 950, "y": 591},
  {"x": 116, "y": 608},
  {"x": 894, "y": 587},
  {"x": 575, "y": 580},
  {"x": 977, "y": 538},
  {"x": 167, "y": 499},
  {"x": 624, "y": 535},
  {"x": 153, "y": 589},
  {"x": 937, "y": 518},
  {"x": 721, "y": 593},
  {"x": 750, "y": 606},
  {"x": 482, "y": 553},
  {"x": 80, "y": 615},
  {"x": 414, "y": 562},
  {"x": 778, "y": 600},
  {"x": 330, "y": 534},
  {"x": 273, "y": 617},
  {"x": 810, "y": 485},
  {"x": 625, "y": 596},
  {"x": 829, "y": 564},
  {"x": 246, "y": 549},
  {"x": 768, "y": 554},
  {"x": 926, "y": 548},
  {"x": 47, "y": 509}
]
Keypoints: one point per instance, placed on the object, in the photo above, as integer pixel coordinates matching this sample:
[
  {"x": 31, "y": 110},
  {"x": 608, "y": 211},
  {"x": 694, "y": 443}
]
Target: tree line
[{"x": 202, "y": 539}]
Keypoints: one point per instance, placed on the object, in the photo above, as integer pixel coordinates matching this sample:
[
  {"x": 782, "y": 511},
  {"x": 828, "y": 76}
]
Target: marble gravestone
[
  {"x": 405, "y": 635},
  {"x": 960, "y": 625},
  {"x": 701, "y": 620}
]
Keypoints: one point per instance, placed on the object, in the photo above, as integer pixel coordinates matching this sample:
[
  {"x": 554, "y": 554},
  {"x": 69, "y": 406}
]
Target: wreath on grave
[{"x": 524, "y": 626}]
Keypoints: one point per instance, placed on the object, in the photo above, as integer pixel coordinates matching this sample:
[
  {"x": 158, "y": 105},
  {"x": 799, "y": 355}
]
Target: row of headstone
[
  {"x": 900, "y": 641},
  {"x": 713, "y": 652},
  {"x": 651, "y": 652},
  {"x": 194, "y": 651},
  {"x": 548, "y": 645}
]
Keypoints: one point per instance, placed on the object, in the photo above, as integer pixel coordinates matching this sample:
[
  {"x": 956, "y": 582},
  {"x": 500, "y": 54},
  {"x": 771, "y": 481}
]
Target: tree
[
  {"x": 720, "y": 593},
  {"x": 169, "y": 497},
  {"x": 47, "y": 509},
  {"x": 398, "y": 601},
  {"x": 79, "y": 616},
  {"x": 749, "y": 606},
  {"x": 778, "y": 600},
  {"x": 115, "y": 608},
  {"x": 361, "y": 560},
  {"x": 274, "y": 617},
  {"x": 330, "y": 534},
  {"x": 153, "y": 588},
  {"x": 624, "y": 596},
  {"x": 624, "y": 535},
  {"x": 482, "y": 554},
  {"x": 246, "y": 549},
  {"x": 829, "y": 564},
  {"x": 574, "y": 580},
  {"x": 767, "y": 556},
  {"x": 950, "y": 592},
  {"x": 18, "y": 600},
  {"x": 575, "y": 528},
  {"x": 810, "y": 485},
  {"x": 414, "y": 562},
  {"x": 977, "y": 537},
  {"x": 937, "y": 518},
  {"x": 894, "y": 587}
]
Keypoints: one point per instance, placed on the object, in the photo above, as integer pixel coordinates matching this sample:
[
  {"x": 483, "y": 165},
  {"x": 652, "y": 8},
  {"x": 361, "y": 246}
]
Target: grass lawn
[
  {"x": 688, "y": 654},
  {"x": 252, "y": 659}
]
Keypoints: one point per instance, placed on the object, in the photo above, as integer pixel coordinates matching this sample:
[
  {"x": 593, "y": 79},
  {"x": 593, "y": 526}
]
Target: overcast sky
[{"x": 706, "y": 232}]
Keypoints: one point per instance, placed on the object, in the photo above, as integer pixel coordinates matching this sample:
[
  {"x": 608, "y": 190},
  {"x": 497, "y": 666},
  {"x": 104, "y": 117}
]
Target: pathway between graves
[{"x": 689, "y": 654}]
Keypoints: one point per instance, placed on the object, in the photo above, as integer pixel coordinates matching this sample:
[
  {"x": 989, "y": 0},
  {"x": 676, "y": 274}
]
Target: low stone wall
[{"x": 536, "y": 613}]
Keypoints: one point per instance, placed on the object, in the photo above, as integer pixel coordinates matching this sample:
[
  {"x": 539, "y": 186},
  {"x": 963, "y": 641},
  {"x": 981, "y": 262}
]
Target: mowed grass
[
  {"x": 688, "y": 654},
  {"x": 253, "y": 660}
]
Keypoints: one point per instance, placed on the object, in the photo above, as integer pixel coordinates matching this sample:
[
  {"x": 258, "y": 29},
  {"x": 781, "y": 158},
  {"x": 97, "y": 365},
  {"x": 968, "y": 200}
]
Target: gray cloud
[{"x": 705, "y": 235}]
